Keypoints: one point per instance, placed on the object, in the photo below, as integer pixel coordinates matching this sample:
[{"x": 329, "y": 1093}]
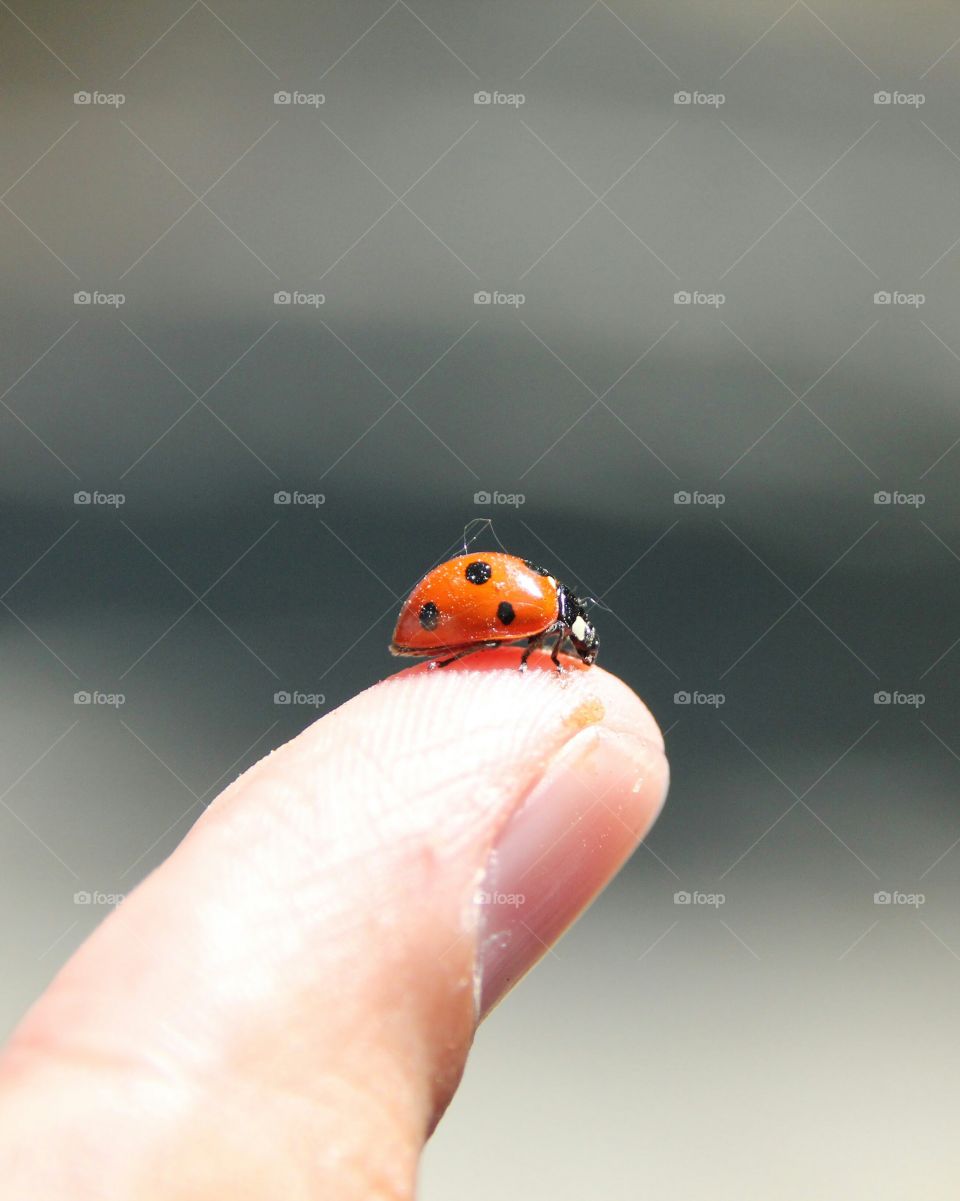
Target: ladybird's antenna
[
  {"x": 471, "y": 532},
  {"x": 598, "y": 601},
  {"x": 473, "y": 529}
]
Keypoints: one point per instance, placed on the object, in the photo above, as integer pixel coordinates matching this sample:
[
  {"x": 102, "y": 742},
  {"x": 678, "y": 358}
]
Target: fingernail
[{"x": 567, "y": 839}]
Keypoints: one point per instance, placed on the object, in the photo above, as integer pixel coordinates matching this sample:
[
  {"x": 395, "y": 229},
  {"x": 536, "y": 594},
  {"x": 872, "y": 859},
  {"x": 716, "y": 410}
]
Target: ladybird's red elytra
[{"x": 486, "y": 599}]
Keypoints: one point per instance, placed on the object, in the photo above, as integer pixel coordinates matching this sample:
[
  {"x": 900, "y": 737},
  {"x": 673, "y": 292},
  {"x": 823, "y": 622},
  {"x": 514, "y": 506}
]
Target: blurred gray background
[{"x": 785, "y": 1032}]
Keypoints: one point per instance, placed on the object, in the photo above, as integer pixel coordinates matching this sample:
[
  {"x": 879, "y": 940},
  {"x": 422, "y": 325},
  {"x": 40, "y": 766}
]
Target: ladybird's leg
[
  {"x": 532, "y": 644},
  {"x": 470, "y": 650},
  {"x": 554, "y": 654},
  {"x": 537, "y": 641},
  {"x": 435, "y": 663}
]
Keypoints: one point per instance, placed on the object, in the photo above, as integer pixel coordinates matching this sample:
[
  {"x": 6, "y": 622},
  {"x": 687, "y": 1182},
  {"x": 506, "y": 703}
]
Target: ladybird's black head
[
  {"x": 580, "y": 631},
  {"x": 588, "y": 646}
]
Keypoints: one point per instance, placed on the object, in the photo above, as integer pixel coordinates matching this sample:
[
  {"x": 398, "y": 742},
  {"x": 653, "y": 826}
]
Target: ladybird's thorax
[{"x": 569, "y": 606}]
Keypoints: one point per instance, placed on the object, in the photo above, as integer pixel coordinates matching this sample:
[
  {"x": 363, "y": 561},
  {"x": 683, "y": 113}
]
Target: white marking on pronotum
[{"x": 579, "y": 629}]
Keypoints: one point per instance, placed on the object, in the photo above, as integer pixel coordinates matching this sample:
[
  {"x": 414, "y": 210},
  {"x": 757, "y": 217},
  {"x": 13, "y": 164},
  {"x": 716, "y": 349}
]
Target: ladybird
[{"x": 478, "y": 601}]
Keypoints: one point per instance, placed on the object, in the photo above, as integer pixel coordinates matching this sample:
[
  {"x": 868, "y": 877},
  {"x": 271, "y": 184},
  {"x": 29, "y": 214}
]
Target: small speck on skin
[{"x": 589, "y": 712}]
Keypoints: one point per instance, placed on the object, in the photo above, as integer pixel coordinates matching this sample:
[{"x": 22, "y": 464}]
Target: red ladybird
[{"x": 478, "y": 601}]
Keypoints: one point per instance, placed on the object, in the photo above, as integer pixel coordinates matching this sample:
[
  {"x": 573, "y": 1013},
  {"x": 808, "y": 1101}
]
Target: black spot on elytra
[
  {"x": 478, "y": 572},
  {"x": 535, "y": 567},
  {"x": 429, "y": 615},
  {"x": 505, "y": 612}
]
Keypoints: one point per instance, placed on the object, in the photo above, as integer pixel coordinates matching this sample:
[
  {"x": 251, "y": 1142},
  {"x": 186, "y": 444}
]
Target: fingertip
[
  {"x": 564, "y": 843},
  {"x": 598, "y": 782},
  {"x": 594, "y": 695}
]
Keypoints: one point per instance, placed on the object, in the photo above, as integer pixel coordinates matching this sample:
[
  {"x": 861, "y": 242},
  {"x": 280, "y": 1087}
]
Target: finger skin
[{"x": 284, "y": 1007}]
